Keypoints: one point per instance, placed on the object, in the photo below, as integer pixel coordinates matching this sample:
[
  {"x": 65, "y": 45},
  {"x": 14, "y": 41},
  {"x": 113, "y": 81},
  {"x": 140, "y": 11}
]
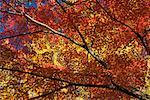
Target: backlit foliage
[{"x": 74, "y": 49}]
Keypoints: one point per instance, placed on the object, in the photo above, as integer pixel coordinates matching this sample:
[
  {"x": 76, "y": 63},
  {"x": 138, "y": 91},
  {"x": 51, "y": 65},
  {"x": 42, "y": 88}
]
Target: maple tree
[{"x": 74, "y": 49}]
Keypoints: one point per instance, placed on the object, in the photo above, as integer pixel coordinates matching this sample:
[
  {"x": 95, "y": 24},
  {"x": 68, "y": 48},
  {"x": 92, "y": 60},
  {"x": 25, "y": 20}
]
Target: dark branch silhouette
[
  {"x": 112, "y": 86},
  {"x": 53, "y": 91},
  {"x": 26, "y": 33},
  {"x": 136, "y": 33}
]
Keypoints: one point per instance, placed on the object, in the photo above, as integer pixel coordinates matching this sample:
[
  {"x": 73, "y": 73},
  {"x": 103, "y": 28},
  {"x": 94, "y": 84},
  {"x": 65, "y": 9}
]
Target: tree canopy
[{"x": 74, "y": 49}]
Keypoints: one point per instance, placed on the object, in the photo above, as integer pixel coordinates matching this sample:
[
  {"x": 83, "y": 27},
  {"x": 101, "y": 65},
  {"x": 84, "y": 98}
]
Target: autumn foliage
[{"x": 74, "y": 49}]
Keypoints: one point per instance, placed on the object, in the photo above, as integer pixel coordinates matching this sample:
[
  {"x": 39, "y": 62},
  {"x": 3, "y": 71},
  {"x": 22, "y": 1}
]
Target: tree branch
[
  {"x": 53, "y": 91},
  {"x": 41, "y": 24},
  {"x": 126, "y": 91},
  {"x": 61, "y": 6},
  {"x": 136, "y": 33},
  {"x": 11, "y": 12},
  {"x": 112, "y": 86},
  {"x": 51, "y": 29},
  {"x": 34, "y": 74},
  {"x": 8, "y": 37},
  {"x": 85, "y": 46},
  {"x": 65, "y": 36}
]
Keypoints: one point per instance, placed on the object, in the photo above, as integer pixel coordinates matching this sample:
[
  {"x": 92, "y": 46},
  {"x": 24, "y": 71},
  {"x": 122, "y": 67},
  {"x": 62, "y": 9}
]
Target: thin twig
[
  {"x": 11, "y": 12},
  {"x": 26, "y": 33},
  {"x": 53, "y": 91}
]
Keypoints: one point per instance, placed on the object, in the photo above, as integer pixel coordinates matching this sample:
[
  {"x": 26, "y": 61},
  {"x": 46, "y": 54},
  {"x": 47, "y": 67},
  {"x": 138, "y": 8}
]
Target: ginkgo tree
[{"x": 74, "y": 49}]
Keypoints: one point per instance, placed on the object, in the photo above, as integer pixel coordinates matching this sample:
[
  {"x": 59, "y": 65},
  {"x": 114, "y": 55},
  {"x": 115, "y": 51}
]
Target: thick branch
[
  {"x": 126, "y": 91},
  {"x": 112, "y": 86},
  {"x": 51, "y": 29},
  {"x": 40, "y": 24},
  {"x": 65, "y": 36}
]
